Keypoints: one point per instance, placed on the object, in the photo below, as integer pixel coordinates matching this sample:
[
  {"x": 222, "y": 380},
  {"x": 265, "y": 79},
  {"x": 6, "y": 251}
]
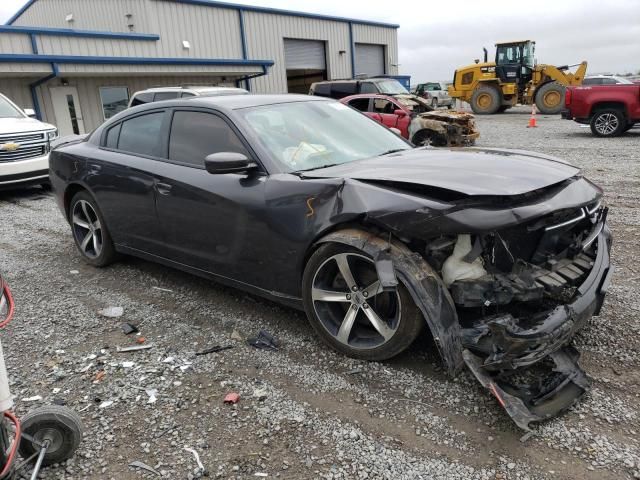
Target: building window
[{"x": 114, "y": 100}]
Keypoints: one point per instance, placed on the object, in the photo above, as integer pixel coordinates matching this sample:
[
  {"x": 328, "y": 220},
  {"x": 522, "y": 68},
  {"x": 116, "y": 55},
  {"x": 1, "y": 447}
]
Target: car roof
[
  {"x": 232, "y": 102},
  {"x": 195, "y": 88}
]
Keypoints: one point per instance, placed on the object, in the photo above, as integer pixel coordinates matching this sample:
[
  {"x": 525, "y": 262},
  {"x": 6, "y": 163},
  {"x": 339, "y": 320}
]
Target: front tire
[
  {"x": 90, "y": 232},
  {"x": 608, "y": 123},
  {"x": 550, "y": 98},
  {"x": 349, "y": 310},
  {"x": 486, "y": 100}
]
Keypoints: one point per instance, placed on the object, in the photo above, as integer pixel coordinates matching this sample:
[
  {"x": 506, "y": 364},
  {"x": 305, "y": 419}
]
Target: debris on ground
[
  {"x": 129, "y": 328},
  {"x": 36, "y": 398},
  {"x": 264, "y": 340},
  {"x": 235, "y": 335},
  {"x": 106, "y": 404},
  {"x": 153, "y": 395},
  {"x": 162, "y": 289},
  {"x": 197, "y": 457},
  {"x": 144, "y": 466},
  {"x": 231, "y": 398},
  {"x": 111, "y": 312},
  {"x": 134, "y": 348},
  {"x": 215, "y": 349}
]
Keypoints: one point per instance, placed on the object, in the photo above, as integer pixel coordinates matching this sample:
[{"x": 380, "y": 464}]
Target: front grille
[
  {"x": 29, "y": 145},
  {"x": 26, "y": 137},
  {"x": 23, "y": 153}
]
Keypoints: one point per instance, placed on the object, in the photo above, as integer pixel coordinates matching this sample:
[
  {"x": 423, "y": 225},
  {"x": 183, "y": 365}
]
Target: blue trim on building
[
  {"x": 243, "y": 42},
  {"x": 34, "y": 43},
  {"x": 68, "y": 32},
  {"x": 249, "y": 8},
  {"x": 20, "y": 12},
  {"x": 37, "y": 83},
  {"x": 352, "y": 47},
  {"x": 81, "y": 59},
  {"x": 249, "y": 77}
]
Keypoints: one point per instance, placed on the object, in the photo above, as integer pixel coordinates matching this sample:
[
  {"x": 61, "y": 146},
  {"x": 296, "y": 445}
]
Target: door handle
[{"x": 163, "y": 188}]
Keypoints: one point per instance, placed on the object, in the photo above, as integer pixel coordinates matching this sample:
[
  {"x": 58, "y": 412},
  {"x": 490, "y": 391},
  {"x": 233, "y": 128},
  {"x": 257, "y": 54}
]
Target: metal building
[{"x": 77, "y": 62}]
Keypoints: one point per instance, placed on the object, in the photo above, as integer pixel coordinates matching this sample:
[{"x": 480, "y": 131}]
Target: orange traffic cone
[{"x": 532, "y": 120}]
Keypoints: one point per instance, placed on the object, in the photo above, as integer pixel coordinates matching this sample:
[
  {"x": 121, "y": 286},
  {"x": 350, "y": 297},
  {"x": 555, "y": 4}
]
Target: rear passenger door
[
  {"x": 207, "y": 220},
  {"x": 121, "y": 177}
]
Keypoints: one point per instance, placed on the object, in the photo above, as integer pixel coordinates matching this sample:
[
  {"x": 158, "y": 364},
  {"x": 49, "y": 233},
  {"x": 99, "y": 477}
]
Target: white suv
[
  {"x": 169, "y": 93},
  {"x": 24, "y": 146}
]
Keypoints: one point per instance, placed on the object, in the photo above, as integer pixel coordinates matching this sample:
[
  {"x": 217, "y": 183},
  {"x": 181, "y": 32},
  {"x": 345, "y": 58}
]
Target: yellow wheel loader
[{"x": 514, "y": 78}]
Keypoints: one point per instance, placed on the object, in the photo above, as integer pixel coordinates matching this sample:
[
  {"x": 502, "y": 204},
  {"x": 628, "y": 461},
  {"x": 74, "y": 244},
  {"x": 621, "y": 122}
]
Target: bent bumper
[{"x": 500, "y": 349}]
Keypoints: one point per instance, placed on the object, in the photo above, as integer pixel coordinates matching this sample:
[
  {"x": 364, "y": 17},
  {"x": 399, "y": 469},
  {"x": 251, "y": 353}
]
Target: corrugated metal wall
[
  {"x": 17, "y": 90},
  {"x": 265, "y": 34},
  {"x": 212, "y": 32}
]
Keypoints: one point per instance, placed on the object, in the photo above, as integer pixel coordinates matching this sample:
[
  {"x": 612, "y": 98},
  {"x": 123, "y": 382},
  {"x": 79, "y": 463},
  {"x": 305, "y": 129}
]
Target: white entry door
[{"x": 66, "y": 108}]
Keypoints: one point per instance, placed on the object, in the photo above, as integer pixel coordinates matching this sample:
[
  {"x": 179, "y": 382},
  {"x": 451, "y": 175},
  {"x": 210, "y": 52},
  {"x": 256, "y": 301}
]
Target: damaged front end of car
[{"x": 522, "y": 291}]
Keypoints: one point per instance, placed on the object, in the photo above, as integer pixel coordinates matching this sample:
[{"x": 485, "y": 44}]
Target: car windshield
[
  {"x": 7, "y": 110},
  {"x": 310, "y": 135},
  {"x": 391, "y": 87}
]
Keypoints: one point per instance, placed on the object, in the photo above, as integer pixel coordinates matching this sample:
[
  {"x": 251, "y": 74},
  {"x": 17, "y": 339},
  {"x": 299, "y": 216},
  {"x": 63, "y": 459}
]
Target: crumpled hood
[
  {"x": 22, "y": 125},
  {"x": 470, "y": 171}
]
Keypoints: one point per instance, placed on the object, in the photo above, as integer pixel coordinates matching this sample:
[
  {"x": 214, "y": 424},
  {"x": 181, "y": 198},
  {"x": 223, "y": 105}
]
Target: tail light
[{"x": 567, "y": 97}]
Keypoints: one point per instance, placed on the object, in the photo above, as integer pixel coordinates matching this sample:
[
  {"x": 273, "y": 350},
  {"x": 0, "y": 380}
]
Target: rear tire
[
  {"x": 608, "y": 123},
  {"x": 550, "y": 98},
  {"x": 486, "y": 100},
  {"x": 89, "y": 230},
  {"x": 348, "y": 325}
]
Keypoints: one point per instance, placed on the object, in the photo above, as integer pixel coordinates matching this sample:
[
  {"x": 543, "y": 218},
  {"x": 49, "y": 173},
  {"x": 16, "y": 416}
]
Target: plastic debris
[
  {"x": 264, "y": 340},
  {"x": 215, "y": 349},
  {"x": 168, "y": 360},
  {"x": 162, "y": 289},
  {"x": 140, "y": 340},
  {"x": 74, "y": 272},
  {"x": 231, "y": 398},
  {"x": 260, "y": 474},
  {"x": 35, "y": 398},
  {"x": 127, "y": 364},
  {"x": 197, "y": 457},
  {"x": 134, "y": 348},
  {"x": 355, "y": 371},
  {"x": 129, "y": 328},
  {"x": 106, "y": 404},
  {"x": 144, "y": 466},
  {"x": 60, "y": 352},
  {"x": 111, "y": 312},
  {"x": 260, "y": 394},
  {"x": 152, "y": 392},
  {"x": 235, "y": 335},
  {"x": 86, "y": 368}
]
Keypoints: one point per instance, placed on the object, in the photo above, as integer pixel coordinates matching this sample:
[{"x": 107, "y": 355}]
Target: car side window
[
  {"x": 159, "y": 96},
  {"x": 195, "y": 135},
  {"x": 187, "y": 94},
  {"x": 141, "y": 134},
  {"x": 112, "y": 137},
  {"x": 361, "y": 104},
  {"x": 368, "y": 87},
  {"x": 343, "y": 89},
  {"x": 382, "y": 105},
  {"x": 609, "y": 81}
]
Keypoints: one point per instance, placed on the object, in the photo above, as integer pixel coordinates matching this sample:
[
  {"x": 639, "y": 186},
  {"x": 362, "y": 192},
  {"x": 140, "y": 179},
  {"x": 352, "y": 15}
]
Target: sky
[{"x": 434, "y": 41}]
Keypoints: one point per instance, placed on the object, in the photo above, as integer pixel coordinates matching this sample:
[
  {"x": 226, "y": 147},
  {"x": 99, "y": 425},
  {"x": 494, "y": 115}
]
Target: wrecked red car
[
  {"x": 503, "y": 255},
  {"x": 417, "y": 120}
]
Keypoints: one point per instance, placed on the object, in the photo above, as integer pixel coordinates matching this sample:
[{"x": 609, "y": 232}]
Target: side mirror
[
  {"x": 400, "y": 113},
  {"x": 30, "y": 112},
  {"x": 228, "y": 162}
]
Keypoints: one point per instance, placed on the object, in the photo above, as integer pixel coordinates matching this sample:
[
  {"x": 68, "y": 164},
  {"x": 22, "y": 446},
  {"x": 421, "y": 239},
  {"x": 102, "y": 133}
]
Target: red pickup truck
[{"x": 610, "y": 109}]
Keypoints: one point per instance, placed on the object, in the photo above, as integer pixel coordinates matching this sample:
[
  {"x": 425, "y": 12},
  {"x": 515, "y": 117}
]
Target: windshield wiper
[
  {"x": 317, "y": 168},
  {"x": 395, "y": 150}
]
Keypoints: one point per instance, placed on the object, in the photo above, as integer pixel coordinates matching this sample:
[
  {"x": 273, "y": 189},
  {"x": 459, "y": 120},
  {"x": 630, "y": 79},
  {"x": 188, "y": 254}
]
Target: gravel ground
[{"x": 305, "y": 412}]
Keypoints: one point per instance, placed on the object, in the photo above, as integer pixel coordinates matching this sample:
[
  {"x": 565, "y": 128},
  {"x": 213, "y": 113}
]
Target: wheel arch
[
  {"x": 424, "y": 285},
  {"x": 614, "y": 105},
  {"x": 69, "y": 192}
]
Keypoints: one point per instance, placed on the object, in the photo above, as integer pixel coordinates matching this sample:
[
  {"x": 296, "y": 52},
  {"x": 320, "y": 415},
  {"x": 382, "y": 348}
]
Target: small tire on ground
[
  {"x": 550, "y": 98},
  {"x": 108, "y": 254},
  {"x": 411, "y": 320},
  {"x": 486, "y": 100},
  {"x": 60, "y": 425},
  {"x": 610, "y": 122},
  {"x": 429, "y": 137}
]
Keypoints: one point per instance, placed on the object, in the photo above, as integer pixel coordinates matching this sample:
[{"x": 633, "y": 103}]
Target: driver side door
[{"x": 209, "y": 221}]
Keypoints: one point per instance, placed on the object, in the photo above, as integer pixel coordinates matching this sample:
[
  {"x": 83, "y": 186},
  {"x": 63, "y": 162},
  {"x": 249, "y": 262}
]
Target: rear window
[
  {"x": 361, "y": 104},
  {"x": 141, "y": 98},
  {"x": 141, "y": 134},
  {"x": 165, "y": 96}
]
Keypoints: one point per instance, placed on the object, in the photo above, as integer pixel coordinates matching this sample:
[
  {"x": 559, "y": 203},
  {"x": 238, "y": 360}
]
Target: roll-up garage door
[
  {"x": 369, "y": 59},
  {"x": 304, "y": 54}
]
